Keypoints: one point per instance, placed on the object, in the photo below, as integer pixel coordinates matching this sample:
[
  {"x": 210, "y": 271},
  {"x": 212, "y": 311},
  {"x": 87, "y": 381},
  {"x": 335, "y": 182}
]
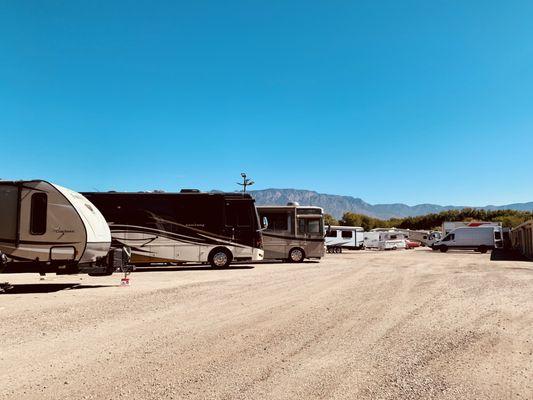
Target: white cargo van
[{"x": 481, "y": 239}]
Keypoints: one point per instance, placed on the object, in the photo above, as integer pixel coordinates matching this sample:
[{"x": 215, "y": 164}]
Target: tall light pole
[{"x": 245, "y": 182}]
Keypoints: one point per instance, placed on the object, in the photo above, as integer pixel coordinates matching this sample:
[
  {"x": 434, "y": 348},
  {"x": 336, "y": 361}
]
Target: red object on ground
[{"x": 409, "y": 244}]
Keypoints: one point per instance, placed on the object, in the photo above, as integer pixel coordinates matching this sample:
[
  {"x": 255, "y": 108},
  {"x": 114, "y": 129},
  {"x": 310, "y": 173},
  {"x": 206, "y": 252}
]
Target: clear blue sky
[{"x": 390, "y": 101}]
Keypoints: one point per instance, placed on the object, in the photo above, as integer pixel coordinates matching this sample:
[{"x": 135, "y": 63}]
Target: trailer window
[
  {"x": 332, "y": 234},
  {"x": 39, "y": 205},
  {"x": 346, "y": 234}
]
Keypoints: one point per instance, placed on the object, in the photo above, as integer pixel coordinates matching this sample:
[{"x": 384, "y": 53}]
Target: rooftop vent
[
  {"x": 189, "y": 191},
  {"x": 293, "y": 203}
]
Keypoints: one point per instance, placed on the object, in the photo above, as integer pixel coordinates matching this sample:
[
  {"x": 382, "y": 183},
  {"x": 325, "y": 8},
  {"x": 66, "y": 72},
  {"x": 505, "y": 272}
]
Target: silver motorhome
[
  {"x": 48, "y": 228},
  {"x": 293, "y": 232}
]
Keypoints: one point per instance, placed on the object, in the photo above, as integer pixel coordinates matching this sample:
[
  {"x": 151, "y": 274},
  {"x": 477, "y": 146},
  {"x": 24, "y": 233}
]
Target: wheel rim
[
  {"x": 296, "y": 255},
  {"x": 220, "y": 259}
]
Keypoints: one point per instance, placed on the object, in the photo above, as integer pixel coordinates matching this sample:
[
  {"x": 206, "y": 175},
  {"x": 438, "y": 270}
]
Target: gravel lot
[{"x": 361, "y": 325}]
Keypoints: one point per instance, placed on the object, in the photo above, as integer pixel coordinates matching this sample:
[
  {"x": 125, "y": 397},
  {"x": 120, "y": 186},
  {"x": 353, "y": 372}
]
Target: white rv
[
  {"x": 47, "y": 228},
  {"x": 347, "y": 237},
  {"x": 384, "y": 240},
  {"x": 482, "y": 239}
]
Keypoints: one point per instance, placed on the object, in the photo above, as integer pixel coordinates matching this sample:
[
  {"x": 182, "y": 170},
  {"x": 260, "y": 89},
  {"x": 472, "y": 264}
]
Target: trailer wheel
[
  {"x": 220, "y": 257},
  {"x": 482, "y": 249},
  {"x": 443, "y": 249},
  {"x": 296, "y": 255}
]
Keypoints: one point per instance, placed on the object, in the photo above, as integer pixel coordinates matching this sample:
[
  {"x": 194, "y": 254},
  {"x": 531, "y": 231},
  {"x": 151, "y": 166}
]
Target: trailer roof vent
[
  {"x": 189, "y": 191},
  {"x": 293, "y": 203}
]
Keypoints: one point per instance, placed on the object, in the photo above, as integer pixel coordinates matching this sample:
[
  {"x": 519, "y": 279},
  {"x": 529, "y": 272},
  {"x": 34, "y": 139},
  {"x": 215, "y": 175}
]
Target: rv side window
[
  {"x": 39, "y": 203},
  {"x": 238, "y": 213},
  {"x": 309, "y": 225},
  {"x": 346, "y": 234},
  {"x": 277, "y": 221},
  {"x": 332, "y": 233}
]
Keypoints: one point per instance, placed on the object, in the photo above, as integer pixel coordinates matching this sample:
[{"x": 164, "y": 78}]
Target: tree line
[{"x": 508, "y": 218}]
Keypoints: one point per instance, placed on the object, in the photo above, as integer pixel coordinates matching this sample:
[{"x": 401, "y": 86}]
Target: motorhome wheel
[
  {"x": 482, "y": 249},
  {"x": 443, "y": 249},
  {"x": 220, "y": 258},
  {"x": 296, "y": 255}
]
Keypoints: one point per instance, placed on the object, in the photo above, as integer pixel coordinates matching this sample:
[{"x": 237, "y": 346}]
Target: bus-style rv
[
  {"x": 46, "y": 228},
  {"x": 293, "y": 232},
  {"x": 189, "y": 226}
]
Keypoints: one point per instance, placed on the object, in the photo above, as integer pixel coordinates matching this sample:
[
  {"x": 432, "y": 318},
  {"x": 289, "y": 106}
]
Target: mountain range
[{"x": 337, "y": 205}]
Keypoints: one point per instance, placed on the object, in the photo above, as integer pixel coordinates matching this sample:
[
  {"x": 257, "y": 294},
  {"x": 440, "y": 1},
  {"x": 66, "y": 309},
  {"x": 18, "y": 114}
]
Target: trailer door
[{"x": 8, "y": 213}]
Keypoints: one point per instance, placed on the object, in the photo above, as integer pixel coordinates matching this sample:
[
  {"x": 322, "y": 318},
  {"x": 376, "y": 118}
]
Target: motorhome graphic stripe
[
  {"x": 165, "y": 235},
  {"x": 207, "y": 239},
  {"x": 292, "y": 237}
]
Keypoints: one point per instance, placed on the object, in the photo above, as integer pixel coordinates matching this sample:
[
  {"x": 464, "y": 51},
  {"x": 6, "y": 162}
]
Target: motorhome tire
[
  {"x": 443, "y": 249},
  {"x": 220, "y": 257},
  {"x": 482, "y": 249},
  {"x": 296, "y": 255}
]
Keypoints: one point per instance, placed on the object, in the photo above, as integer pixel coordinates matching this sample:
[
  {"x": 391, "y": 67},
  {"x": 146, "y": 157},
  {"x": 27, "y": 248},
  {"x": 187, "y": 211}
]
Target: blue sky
[{"x": 390, "y": 101}]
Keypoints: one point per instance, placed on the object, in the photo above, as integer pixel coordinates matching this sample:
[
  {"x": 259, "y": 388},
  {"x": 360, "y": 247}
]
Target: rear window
[
  {"x": 39, "y": 205},
  {"x": 497, "y": 235}
]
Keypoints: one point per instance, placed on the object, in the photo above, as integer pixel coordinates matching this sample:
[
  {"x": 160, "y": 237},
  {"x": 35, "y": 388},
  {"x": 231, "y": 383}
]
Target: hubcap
[
  {"x": 296, "y": 255},
  {"x": 220, "y": 259}
]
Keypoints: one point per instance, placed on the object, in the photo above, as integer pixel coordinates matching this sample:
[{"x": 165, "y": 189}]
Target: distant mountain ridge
[{"x": 337, "y": 205}]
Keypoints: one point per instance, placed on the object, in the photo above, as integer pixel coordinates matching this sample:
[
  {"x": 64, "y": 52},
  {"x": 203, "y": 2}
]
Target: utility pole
[{"x": 245, "y": 182}]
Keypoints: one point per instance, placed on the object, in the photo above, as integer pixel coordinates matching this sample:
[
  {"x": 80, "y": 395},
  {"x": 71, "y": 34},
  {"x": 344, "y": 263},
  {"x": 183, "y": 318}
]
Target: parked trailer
[
  {"x": 189, "y": 226},
  {"x": 45, "y": 228},
  {"x": 384, "y": 240},
  {"x": 522, "y": 238},
  {"x": 344, "y": 237},
  {"x": 294, "y": 232},
  {"x": 426, "y": 238},
  {"x": 481, "y": 238}
]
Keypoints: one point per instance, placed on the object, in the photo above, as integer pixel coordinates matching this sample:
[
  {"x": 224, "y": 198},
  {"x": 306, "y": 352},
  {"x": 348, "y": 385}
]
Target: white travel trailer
[
  {"x": 449, "y": 226},
  {"x": 347, "y": 237},
  {"x": 48, "y": 228},
  {"x": 384, "y": 240},
  {"x": 481, "y": 238}
]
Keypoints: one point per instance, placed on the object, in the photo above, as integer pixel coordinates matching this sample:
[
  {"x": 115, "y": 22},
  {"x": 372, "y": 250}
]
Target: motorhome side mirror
[{"x": 265, "y": 222}]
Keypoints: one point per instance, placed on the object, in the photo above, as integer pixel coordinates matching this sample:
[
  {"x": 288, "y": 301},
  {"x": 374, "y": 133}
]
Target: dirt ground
[{"x": 361, "y": 325}]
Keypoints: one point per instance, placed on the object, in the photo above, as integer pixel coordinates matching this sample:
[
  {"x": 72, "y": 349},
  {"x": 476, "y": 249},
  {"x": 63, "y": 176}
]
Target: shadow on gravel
[
  {"x": 507, "y": 255},
  {"x": 160, "y": 268},
  {"x": 48, "y": 287}
]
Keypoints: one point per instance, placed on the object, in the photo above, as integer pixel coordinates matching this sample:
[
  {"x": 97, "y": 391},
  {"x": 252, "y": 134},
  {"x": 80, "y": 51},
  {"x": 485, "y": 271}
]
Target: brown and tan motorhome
[{"x": 293, "y": 232}]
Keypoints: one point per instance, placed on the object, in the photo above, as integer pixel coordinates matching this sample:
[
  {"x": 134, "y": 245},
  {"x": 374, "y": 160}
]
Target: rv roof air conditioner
[{"x": 293, "y": 203}]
